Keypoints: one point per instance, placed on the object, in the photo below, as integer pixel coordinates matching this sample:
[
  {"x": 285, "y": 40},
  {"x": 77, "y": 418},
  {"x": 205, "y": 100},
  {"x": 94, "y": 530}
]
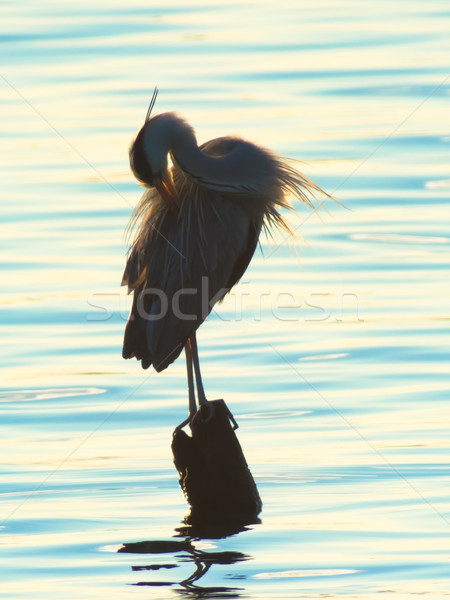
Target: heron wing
[{"x": 181, "y": 265}]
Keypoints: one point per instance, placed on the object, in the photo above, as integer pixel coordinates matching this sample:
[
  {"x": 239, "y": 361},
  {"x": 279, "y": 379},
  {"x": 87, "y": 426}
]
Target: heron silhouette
[{"x": 197, "y": 227}]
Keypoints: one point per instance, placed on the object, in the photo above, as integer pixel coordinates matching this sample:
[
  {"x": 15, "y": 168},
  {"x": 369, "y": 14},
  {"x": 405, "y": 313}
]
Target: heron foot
[
  {"x": 207, "y": 411},
  {"x": 209, "y": 407},
  {"x": 232, "y": 419},
  {"x": 181, "y": 425},
  {"x": 210, "y": 415}
]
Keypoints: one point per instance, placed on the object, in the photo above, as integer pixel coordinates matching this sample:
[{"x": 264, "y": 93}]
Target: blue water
[{"x": 332, "y": 352}]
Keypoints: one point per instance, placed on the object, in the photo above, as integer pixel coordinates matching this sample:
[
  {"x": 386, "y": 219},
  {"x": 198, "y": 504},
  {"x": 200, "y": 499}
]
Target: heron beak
[{"x": 167, "y": 191}]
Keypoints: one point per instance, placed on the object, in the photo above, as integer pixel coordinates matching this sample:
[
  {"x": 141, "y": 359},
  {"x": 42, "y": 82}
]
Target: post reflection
[{"x": 183, "y": 550}]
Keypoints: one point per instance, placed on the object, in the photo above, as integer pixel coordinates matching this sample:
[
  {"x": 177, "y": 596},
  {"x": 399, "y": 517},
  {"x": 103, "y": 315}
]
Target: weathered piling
[{"x": 214, "y": 474}]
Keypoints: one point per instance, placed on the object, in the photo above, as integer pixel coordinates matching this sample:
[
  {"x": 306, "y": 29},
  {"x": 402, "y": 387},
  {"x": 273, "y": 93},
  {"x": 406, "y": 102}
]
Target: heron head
[
  {"x": 148, "y": 160},
  {"x": 148, "y": 156}
]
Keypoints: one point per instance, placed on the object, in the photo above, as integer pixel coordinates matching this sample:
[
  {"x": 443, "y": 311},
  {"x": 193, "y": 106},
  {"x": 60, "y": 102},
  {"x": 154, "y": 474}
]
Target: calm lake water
[{"x": 333, "y": 353}]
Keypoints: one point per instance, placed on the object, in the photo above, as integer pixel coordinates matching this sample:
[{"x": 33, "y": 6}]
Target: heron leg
[
  {"x": 191, "y": 389},
  {"x": 190, "y": 378},
  {"x": 192, "y": 360},
  {"x": 198, "y": 377}
]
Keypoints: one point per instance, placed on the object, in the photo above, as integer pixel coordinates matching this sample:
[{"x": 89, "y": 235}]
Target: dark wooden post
[{"x": 214, "y": 474}]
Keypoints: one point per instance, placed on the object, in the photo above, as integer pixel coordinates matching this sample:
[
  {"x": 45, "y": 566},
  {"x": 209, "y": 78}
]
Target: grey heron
[{"x": 197, "y": 228}]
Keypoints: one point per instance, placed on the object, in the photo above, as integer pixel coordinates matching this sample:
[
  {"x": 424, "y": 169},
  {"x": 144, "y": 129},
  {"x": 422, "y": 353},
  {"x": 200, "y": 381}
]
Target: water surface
[{"x": 332, "y": 353}]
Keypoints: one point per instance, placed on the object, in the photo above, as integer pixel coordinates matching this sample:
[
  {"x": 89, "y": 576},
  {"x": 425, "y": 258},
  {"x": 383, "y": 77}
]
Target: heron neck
[{"x": 210, "y": 171}]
